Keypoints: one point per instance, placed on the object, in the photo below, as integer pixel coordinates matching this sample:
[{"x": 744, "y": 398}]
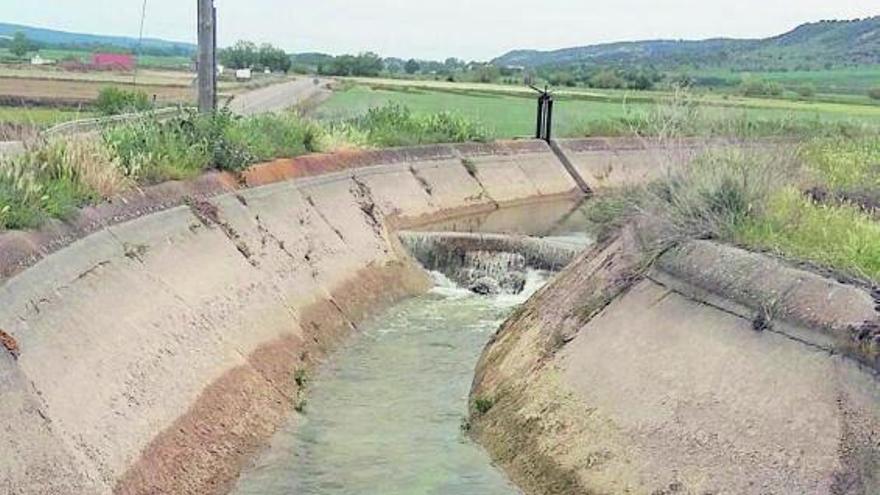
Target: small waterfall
[{"x": 488, "y": 264}]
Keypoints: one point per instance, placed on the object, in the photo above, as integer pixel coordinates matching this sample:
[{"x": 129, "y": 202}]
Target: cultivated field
[{"x": 509, "y": 111}]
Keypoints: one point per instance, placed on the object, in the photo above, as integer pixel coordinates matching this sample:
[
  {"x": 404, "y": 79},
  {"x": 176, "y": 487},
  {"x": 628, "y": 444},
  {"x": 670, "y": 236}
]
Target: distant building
[
  {"x": 243, "y": 74},
  {"x": 113, "y": 61},
  {"x": 38, "y": 60}
]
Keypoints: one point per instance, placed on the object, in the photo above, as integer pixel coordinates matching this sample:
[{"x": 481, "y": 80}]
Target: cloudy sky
[{"x": 469, "y": 29}]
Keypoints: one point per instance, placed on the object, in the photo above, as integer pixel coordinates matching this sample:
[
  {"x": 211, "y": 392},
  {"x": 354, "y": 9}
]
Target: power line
[{"x": 140, "y": 42}]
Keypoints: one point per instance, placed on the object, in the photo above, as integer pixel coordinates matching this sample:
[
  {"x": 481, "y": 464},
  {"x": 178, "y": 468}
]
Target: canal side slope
[
  {"x": 153, "y": 343},
  {"x": 714, "y": 370}
]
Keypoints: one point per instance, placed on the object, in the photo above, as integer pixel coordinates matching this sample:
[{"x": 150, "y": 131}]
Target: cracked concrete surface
[
  {"x": 613, "y": 380},
  {"x": 156, "y": 353}
]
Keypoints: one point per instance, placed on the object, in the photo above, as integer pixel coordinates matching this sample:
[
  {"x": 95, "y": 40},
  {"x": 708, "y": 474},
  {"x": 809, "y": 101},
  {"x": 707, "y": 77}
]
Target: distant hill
[
  {"x": 812, "y": 45},
  {"x": 54, "y": 38}
]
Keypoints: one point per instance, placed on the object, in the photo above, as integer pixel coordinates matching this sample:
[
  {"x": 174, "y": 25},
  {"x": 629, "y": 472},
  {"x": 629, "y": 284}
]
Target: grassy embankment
[
  {"x": 816, "y": 201},
  {"x": 53, "y": 178}
]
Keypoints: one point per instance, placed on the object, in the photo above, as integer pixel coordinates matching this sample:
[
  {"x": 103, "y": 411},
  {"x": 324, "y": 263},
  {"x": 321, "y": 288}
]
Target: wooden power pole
[{"x": 207, "y": 60}]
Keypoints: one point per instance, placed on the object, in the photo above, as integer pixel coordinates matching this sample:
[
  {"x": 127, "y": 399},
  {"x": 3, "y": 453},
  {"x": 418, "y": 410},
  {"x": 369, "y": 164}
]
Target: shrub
[
  {"x": 397, "y": 125},
  {"x": 114, "y": 101},
  {"x": 874, "y": 93},
  {"x": 483, "y": 405},
  {"x": 272, "y": 136},
  {"x": 755, "y": 87},
  {"x": 607, "y": 79},
  {"x": 805, "y": 91},
  {"x": 151, "y": 151},
  {"x": 706, "y": 199}
]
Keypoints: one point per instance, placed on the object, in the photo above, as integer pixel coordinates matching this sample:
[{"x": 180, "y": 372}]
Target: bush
[
  {"x": 397, "y": 125},
  {"x": 707, "y": 199},
  {"x": 607, "y": 79},
  {"x": 152, "y": 150},
  {"x": 874, "y": 93},
  {"x": 805, "y": 91},
  {"x": 759, "y": 88},
  {"x": 114, "y": 101}
]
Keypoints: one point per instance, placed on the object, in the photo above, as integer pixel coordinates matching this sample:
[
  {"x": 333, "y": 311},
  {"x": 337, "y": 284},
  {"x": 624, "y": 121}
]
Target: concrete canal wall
[{"x": 152, "y": 343}]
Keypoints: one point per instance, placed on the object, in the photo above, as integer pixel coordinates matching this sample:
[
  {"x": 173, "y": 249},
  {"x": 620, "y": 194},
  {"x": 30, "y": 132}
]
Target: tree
[
  {"x": 607, "y": 79},
  {"x": 874, "y": 93},
  {"x": 20, "y": 45},
  {"x": 365, "y": 65},
  {"x": 412, "y": 66},
  {"x": 241, "y": 55},
  {"x": 274, "y": 59}
]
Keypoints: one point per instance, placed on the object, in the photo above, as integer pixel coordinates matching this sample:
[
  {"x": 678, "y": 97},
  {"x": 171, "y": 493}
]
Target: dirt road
[{"x": 278, "y": 97}]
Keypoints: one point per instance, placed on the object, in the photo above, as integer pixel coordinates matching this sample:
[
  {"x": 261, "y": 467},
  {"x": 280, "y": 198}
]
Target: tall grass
[
  {"x": 53, "y": 178},
  {"x": 839, "y": 236},
  {"x": 396, "y": 125},
  {"x": 757, "y": 197},
  {"x": 56, "y": 178},
  {"x": 845, "y": 164},
  {"x": 706, "y": 198}
]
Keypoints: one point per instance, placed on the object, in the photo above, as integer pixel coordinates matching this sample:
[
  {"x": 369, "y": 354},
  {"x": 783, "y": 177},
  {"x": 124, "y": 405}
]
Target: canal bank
[
  {"x": 706, "y": 369},
  {"x": 152, "y": 344}
]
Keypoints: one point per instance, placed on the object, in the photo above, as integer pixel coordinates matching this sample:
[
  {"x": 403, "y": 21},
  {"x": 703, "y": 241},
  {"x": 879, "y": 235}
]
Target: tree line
[{"x": 247, "y": 55}]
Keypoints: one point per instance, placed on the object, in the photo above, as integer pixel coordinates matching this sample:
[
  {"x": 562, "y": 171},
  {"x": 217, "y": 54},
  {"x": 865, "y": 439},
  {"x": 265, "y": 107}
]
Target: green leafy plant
[
  {"x": 483, "y": 405},
  {"x": 113, "y": 101}
]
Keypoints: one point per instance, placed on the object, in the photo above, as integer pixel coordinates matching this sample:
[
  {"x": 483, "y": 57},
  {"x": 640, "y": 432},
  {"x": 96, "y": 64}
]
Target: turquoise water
[{"x": 384, "y": 416}]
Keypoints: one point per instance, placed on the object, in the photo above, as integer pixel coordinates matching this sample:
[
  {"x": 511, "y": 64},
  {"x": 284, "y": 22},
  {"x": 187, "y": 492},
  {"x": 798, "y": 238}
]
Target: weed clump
[
  {"x": 55, "y": 178},
  {"x": 396, "y": 125},
  {"x": 483, "y": 405},
  {"x": 114, "y": 101}
]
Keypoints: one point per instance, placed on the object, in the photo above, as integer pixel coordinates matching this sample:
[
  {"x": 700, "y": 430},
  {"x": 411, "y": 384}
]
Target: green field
[
  {"x": 513, "y": 114},
  {"x": 40, "y": 116},
  {"x": 855, "y": 81}
]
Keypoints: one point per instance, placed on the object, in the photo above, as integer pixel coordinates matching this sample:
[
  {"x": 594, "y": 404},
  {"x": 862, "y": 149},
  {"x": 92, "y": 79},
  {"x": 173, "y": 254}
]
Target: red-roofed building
[{"x": 113, "y": 61}]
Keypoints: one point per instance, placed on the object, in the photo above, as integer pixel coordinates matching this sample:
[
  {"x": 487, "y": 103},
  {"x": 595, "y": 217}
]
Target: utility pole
[{"x": 207, "y": 59}]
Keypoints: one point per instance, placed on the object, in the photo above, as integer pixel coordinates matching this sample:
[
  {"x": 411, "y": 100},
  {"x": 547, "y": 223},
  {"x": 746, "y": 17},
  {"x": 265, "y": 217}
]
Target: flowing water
[{"x": 384, "y": 417}]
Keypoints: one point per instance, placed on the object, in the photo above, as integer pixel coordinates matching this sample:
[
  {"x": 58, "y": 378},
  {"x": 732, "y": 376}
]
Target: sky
[{"x": 436, "y": 29}]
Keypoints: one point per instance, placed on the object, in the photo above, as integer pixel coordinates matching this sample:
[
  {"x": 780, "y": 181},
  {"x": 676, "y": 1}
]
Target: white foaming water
[
  {"x": 535, "y": 279},
  {"x": 443, "y": 286}
]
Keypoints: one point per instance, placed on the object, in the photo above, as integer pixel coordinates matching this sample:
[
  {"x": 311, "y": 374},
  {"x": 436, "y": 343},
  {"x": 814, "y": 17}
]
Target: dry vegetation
[
  {"x": 815, "y": 199},
  {"x": 55, "y": 177}
]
